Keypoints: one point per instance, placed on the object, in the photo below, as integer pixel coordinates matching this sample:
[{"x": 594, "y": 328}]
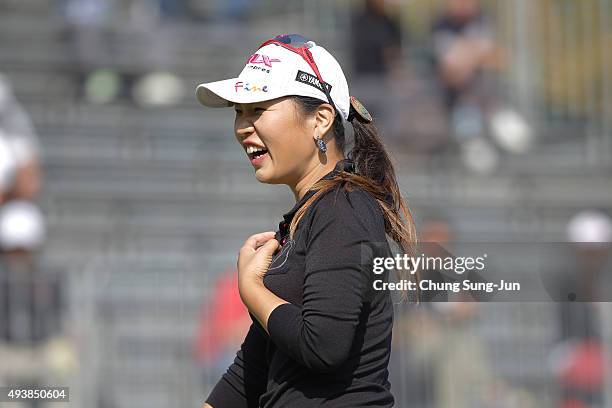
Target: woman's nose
[{"x": 244, "y": 128}]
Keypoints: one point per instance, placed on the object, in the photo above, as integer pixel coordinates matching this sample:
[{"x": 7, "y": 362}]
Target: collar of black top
[{"x": 342, "y": 165}]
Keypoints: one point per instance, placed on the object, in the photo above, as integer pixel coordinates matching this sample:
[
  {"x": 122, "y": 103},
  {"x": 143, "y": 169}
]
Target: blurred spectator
[
  {"x": 223, "y": 324},
  {"x": 404, "y": 104},
  {"x": 375, "y": 48},
  {"x": 21, "y": 235},
  {"x": 376, "y": 40},
  {"x": 90, "y": 38},
  {"x": 444, "y": 337},
  {"x": 32, "y": 349},
  {"x": 104, "y": 34},
  {"x": 86, "y": 29},
  {"x": 464, "y": 47},
  {"x": 21, "y": 223},
  {"x": 30, "y": 299},
  {"x": 462, "y": 42},
  {"x": 21, "y": 143},
  {"x": 578, "y": 358}
]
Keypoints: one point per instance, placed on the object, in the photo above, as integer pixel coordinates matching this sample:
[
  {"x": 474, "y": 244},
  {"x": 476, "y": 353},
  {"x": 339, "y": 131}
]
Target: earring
[{"x": 321, "y": 145}]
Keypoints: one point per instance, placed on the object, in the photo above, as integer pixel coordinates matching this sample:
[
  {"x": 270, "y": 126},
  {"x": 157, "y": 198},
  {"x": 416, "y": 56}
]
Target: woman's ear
[{"x": 324, "y": 120}]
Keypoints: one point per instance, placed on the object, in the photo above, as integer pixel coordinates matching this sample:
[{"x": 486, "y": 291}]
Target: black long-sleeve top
[{"x": 330, "y": 346}]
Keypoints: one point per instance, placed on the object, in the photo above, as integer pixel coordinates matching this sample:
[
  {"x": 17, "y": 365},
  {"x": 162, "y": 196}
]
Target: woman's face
[{"x": 285, "y": 138}]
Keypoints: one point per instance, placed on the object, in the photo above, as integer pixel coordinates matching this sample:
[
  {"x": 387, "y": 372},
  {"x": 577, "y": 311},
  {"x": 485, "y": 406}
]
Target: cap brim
[
  {"x": 224, "y": 93},
  {"x": 215, "y": 94}
]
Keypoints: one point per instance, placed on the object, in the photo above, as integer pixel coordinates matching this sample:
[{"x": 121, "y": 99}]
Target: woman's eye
[{"x": 256, "y": 110}]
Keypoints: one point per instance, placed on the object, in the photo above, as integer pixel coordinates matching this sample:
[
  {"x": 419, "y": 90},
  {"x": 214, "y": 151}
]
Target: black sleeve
[
  {"x": 319, "y": 334},
  {"x": 245, "y": 380}
]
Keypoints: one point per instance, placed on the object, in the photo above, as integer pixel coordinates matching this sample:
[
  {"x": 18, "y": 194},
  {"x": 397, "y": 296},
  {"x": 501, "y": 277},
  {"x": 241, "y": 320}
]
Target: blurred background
[{"x": 124, "y": 202}]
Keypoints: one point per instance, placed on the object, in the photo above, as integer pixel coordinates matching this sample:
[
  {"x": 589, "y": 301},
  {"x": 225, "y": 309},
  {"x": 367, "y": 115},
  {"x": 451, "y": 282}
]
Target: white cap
[
  {"x": 274, "y": 71},
  {"x": 590, "y": 226},
  {"x": 21, "y": 226}
]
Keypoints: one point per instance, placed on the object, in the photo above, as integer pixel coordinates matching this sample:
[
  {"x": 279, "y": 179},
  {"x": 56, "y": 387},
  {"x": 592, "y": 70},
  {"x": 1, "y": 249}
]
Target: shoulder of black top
[{"x": 358, "y": 111}]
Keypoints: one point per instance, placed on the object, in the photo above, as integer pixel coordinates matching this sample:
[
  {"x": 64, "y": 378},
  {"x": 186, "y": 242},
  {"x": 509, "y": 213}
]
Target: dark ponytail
[{"x": 374, "y": 173}]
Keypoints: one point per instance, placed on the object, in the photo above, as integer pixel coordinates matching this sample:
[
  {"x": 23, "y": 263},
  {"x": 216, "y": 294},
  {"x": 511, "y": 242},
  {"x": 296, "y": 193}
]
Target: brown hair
[{"x": 374, "y": 173}]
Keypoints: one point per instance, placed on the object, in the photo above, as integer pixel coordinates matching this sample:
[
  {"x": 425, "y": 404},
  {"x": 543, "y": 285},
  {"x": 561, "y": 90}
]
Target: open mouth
[{"x": 255, "y": 152}]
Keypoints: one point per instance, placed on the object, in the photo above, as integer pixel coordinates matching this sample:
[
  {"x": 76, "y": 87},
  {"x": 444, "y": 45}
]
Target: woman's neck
[{"x": 311, "y": 177}]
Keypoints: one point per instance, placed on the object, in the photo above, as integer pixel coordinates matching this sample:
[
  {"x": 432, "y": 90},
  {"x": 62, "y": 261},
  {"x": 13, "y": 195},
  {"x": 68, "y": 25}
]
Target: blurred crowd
[
  {"x": 454, "y": 107},
  {"x": 31, "y": 294},
  {"x": 460, "y": 111},
  {"x": 449, "y": 365}
]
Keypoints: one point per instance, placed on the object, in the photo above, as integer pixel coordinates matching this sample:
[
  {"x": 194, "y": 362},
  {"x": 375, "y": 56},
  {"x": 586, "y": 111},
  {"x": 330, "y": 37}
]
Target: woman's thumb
[{"x": 270, "y": 246}]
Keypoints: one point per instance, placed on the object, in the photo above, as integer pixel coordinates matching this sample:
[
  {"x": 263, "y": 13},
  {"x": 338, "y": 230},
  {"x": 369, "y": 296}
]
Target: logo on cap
[
  {"x": 309, "y": 79},
  {"x": 261, "y": 59},
  {"x": 239, "y": 85}
]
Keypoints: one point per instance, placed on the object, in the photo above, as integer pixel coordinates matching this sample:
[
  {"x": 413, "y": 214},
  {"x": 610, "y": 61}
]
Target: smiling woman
[
  {"x": 321, "y": 336},
  {"x": 279, "y": 142}
]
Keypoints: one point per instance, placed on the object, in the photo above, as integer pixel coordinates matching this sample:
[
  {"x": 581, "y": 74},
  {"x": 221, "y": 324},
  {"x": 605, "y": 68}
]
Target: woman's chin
[
  {"x": 263, "y": 176},
  {"x": 266, "y": 176}
]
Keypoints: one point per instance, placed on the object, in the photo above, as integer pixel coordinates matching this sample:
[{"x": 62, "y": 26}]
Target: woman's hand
[
  {"x": 255, "y": 257},
  {"x": 253, "y": 261}
]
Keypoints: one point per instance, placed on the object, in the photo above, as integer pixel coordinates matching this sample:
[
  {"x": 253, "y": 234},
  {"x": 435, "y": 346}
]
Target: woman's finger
[
  {"x": 256, "y": 240},
  {"x": 269, "y": 247}
]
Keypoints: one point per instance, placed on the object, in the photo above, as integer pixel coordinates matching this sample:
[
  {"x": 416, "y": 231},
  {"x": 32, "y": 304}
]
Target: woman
[{"x": 321, "y": 335}]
